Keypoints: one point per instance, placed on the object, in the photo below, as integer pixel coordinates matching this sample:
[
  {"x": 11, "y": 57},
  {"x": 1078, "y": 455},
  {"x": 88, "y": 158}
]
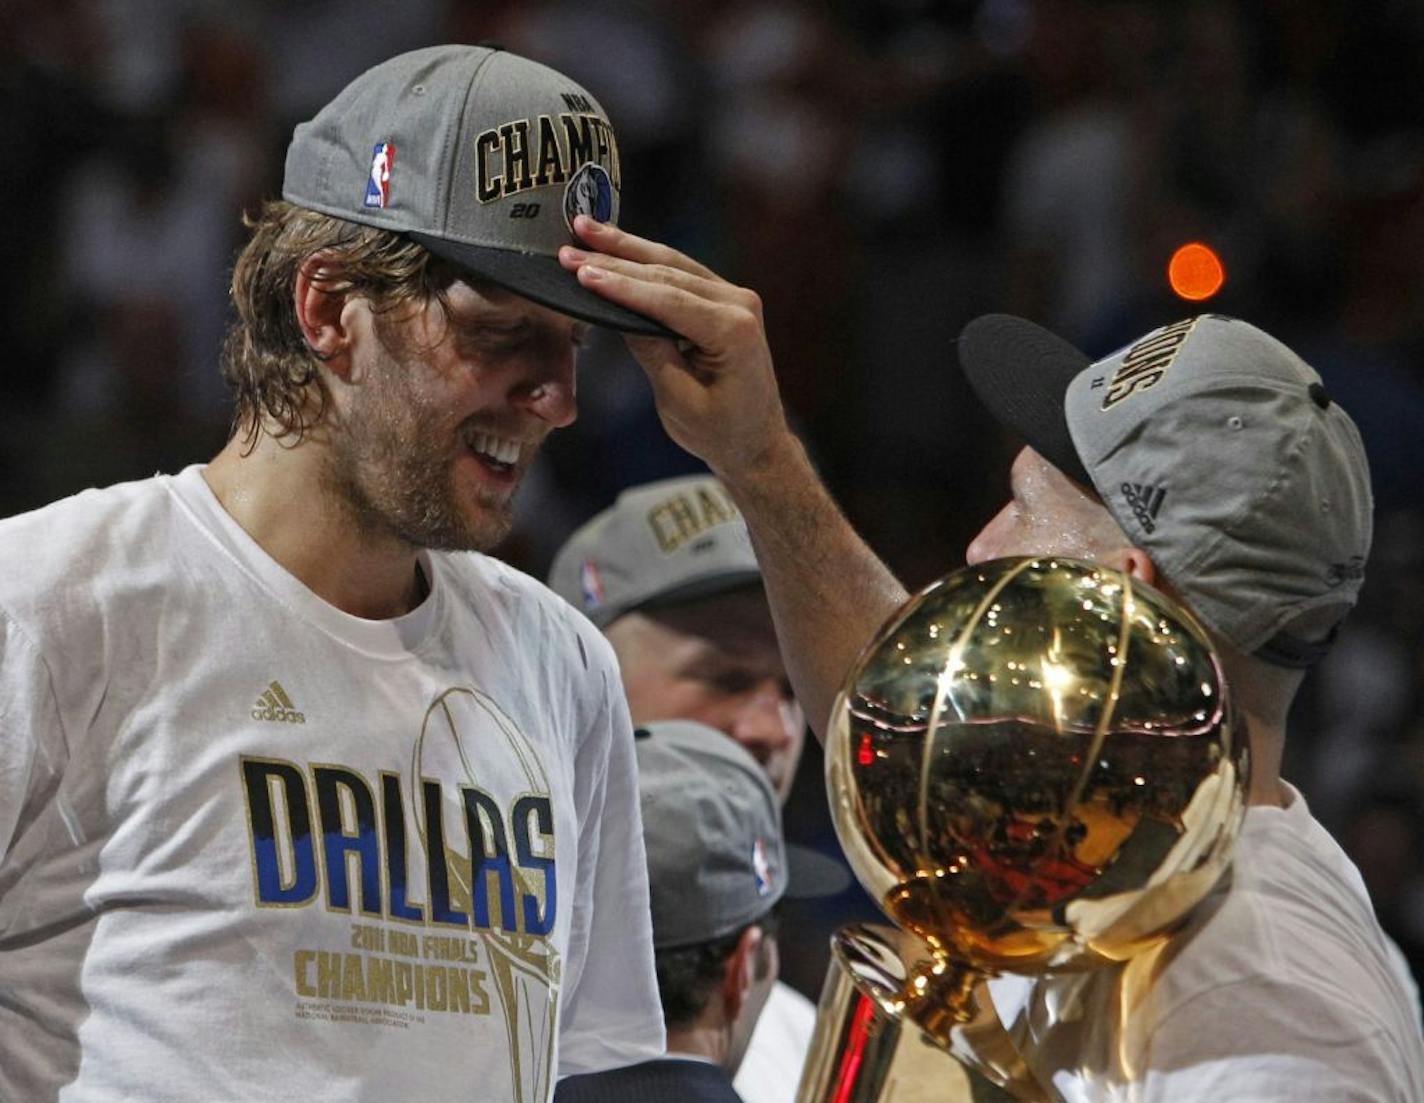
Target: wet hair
[{"x": 272, "y": 371}]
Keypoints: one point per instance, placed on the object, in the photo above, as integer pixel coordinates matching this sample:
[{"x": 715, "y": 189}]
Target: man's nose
[{"x": 986, "y": 545}]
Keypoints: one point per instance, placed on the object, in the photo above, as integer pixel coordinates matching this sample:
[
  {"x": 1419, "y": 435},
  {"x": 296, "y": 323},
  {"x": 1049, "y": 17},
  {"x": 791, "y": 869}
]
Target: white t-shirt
[
  {"x": 236, "y": 825},
  {"x": 1280, "y": 987},
  {"x": 771, "y": 1068}
]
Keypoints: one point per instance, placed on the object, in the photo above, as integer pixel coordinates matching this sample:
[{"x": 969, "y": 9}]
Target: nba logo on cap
[
  {"x": 592, "y": 583},
  {"x": 761, "y": 867},
  {"x": 378, "y": 184}
]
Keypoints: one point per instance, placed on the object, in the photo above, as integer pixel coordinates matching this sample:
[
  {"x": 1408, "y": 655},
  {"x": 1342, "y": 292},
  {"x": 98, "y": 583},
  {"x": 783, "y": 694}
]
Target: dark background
[{"x": 881, "y": 171}]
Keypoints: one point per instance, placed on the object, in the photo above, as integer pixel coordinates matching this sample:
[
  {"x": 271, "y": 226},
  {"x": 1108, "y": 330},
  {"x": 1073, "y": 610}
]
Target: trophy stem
[{"x": 939, "y": 995}]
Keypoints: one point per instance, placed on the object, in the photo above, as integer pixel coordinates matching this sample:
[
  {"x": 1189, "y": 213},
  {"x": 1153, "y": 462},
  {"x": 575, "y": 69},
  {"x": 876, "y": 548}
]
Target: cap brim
[
  {"x": 811, "y": 875},
  {"x": 1021, "y": 372},
  {"x": 542, "y": 280}
]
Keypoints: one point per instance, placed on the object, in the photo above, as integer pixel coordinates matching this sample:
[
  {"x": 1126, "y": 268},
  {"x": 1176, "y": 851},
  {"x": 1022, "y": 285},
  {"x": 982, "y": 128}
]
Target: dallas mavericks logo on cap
[
  {"x": 378, "y": 182},
  {"x": 589, "y": 191}
]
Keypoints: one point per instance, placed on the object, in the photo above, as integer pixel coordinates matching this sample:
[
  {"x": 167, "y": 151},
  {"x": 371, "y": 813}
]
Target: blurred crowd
[{"x": 880, "y": 171}]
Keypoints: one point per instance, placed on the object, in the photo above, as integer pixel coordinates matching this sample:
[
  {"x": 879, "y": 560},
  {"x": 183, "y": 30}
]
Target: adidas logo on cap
[{"x": 1145, "y": 501}]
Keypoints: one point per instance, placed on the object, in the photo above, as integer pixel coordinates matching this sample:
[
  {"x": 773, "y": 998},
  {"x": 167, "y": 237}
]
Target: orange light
[{"x": 1195, "y": 271}]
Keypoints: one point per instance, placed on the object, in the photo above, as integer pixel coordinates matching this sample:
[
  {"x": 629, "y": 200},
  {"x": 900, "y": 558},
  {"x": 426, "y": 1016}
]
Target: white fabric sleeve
[
  {"x": 33, "y": 748},
  {"x": 1264, "y": 1042},
  {"x": 611, "y": 1012}
]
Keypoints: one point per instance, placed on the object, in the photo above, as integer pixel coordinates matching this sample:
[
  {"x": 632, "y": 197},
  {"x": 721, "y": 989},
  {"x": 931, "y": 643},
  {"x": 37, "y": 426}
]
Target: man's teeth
[{"x": 496, "y": 448}]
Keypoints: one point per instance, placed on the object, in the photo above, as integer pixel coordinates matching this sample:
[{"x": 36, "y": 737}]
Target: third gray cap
[
  {"x": 667, "y": 541},
  {"x": 1216, "y": 449},
  {"x": 712, "y": 827},
  {"x": 481, "y": 156}
]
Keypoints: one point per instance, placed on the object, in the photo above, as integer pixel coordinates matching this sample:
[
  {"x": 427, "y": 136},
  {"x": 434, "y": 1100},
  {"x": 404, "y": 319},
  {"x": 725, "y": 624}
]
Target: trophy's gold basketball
[{"x": 1034, "y": 767}]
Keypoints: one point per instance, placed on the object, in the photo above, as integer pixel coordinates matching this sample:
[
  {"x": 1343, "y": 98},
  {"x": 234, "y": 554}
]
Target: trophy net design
[{"x": 1034, "y": 767}]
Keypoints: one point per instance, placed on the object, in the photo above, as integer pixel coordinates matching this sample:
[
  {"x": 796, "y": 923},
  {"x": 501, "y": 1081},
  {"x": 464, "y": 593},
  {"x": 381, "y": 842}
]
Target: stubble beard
[{"x": 393, "y": 472}]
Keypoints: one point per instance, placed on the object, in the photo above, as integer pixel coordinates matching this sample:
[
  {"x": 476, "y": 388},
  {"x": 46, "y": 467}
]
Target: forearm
[{"x": 828, "y": 591}]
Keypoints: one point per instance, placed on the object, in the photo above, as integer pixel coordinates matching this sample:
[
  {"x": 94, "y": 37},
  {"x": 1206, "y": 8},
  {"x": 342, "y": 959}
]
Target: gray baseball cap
[
  {"x": 1216, "y": 449},
  {"x": 712, "y": 827},
  {"x": 660, "y": 543},
  {"x": 481, "y": 156}
]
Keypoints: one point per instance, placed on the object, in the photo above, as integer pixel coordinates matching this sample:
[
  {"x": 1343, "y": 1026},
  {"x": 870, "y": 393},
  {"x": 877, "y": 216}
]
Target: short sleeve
[
  {"x": 611, "y": 1012},
  {"x": 1266, "y": 1042},
  {"x": 32, "y": 744}
]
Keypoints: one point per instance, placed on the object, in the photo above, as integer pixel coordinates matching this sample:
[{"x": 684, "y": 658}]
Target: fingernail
[
  {"x": 590, "y": 272},
  {"x": 589, "y": 223},
  {"x": 572, "y": 255}
]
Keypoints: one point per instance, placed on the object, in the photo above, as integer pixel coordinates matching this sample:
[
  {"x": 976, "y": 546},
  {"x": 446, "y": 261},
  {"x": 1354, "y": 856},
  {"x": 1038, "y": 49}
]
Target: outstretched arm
[{"x": 717, "y": 395}]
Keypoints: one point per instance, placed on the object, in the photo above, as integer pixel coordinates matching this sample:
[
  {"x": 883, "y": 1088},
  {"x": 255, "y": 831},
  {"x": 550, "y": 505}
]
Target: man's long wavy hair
[{"x": 274, "y": 374}]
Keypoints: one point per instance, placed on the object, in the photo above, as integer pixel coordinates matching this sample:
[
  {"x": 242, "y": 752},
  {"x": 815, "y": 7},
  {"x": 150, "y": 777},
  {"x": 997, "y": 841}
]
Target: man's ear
[
  {"x": 318, "y": 299},
  {"x": 739, "y": 972},
  {"x": 1133, "y": 562}
]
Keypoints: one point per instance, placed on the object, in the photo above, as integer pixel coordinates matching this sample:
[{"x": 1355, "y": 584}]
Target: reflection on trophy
[{"x": 1035, "y": 767}]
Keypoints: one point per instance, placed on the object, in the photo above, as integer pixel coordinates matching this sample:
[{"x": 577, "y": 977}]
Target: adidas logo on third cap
[
  {"x": 274, "y": 706},
  {"x": 1145, "y": 501}
]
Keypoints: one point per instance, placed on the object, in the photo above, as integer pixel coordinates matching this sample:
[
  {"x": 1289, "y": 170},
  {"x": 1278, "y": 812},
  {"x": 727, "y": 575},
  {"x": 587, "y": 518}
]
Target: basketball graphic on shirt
[{"x": 507, "y": 887}]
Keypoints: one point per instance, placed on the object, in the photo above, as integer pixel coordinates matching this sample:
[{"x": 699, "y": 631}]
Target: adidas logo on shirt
[
  {"x": 274, "y": 706},
  {"x": 1145, "y": 501}
]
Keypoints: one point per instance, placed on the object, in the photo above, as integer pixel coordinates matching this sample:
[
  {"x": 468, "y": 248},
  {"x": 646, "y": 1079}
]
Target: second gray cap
[{"x": 667, "y": 541}]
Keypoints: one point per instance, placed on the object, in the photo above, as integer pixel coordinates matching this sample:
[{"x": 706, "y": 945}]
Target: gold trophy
[{"x": 1035, "y": 767}]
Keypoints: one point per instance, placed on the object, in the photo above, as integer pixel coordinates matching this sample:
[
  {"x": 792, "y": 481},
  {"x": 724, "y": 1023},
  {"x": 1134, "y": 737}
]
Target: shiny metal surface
[
  {"x": 1034, "y": 767},
  {"x": 863, "y": 1050}
]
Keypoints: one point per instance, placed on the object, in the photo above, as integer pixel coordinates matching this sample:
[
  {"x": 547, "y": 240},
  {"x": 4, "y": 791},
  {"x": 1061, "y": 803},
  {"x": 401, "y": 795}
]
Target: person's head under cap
[
  {"x": 669, "y": 574},
  {"x": 716, "y": 869},
  {"x": 1204, "y": 458},
  {"x": 406, "y": 337}
]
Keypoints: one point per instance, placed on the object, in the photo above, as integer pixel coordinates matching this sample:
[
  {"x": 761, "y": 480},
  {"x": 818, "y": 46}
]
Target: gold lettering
[
  {"x": 405, "y": 982},
  {"x": 380, "y": 981},
  {"x": 660, "y": 520},
  {"x": 579, "y": 132},
  {"x": 1147, "y": 362},
  {"x": 328, "y": 975},
  {"x": 480, "y": 998},
  {"x": 353, "y": 980},
  {"x": 679, "y": 519},
  {"x": 436, "y": 987},
  {"x": 551, "y": 164},
  {"x": 460, "y": 985},
  {"x": 301, "y": 968},
  {"x": 1141, "y": 367},
  {"x": 601, "y": 140},
  {"x": 1117, "y": 392},
  {"x": 487, "y": 187},
  {"x": 515, "y": 138},
  {"x": 714, "y": 508}
]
